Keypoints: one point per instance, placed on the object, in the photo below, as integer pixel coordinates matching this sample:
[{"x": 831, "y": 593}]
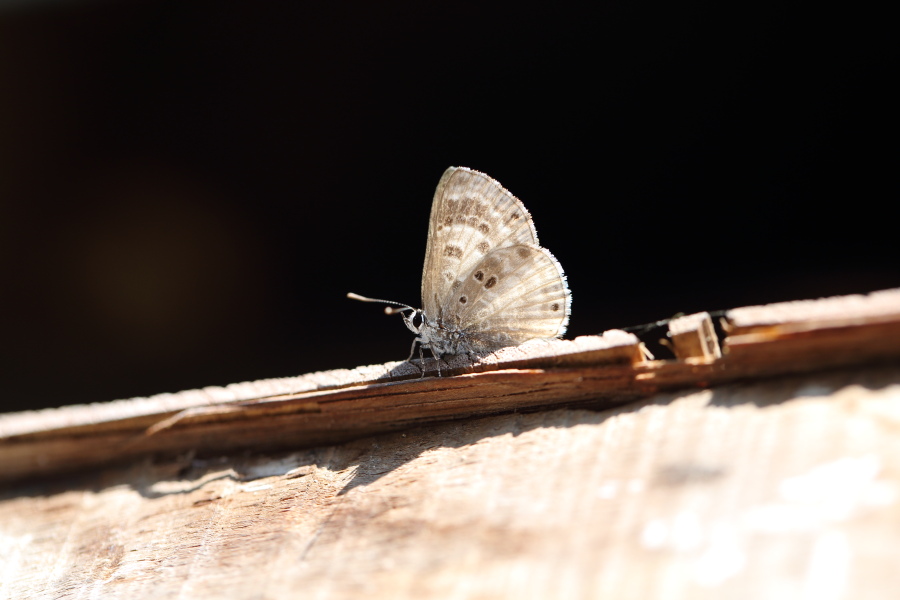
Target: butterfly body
[{"x": 439, "y": 337}]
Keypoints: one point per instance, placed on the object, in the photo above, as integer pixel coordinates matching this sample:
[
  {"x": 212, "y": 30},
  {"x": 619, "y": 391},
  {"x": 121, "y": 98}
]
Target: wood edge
[
  {"x": 603, "y": 370},
  {"x": 613, "y": 347},
  {"x": 838, "y": 311}
]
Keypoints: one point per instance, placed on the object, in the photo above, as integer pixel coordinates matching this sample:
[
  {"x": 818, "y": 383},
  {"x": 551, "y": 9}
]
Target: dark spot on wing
[
  {"x": 491, "y": 282},
  {"x": 479, "y": 275},
  {"x": 523, "y": 252},
  {"x": 554, "y": 306},
  {"x": 463, "y": 299},
  {"x": 454, "y": 251},
  {"x": 483, "y": 247},
  {"x": 448, "y": 221},
  {"x": 484, "y": 228}
]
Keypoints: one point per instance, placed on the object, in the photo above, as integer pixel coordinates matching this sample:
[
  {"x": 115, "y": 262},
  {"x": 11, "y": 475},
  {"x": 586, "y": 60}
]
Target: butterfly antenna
[{"x": 388, "y": 310}]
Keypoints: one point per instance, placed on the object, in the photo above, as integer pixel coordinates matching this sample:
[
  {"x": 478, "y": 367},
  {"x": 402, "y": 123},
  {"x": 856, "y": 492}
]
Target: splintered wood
[{"x": 767, "y": 466}]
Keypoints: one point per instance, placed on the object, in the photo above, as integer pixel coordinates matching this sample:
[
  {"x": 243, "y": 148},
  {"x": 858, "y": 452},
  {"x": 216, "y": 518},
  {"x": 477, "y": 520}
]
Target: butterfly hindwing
[{"x": 512, "y": 295}]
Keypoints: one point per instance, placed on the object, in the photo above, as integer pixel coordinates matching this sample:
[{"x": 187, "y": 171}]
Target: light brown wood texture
[
  {"x": 787, "y": 488},
  {"x": 771, "y": 471}
]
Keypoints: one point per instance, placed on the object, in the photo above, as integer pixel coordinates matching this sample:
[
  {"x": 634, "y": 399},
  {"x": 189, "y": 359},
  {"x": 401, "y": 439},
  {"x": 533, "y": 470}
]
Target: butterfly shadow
[
  {"x": 431, "y": 366},
  {"x": 383, "y": 454}
]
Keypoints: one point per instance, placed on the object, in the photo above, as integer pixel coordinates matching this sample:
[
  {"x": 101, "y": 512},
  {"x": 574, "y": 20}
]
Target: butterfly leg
[
  {"x": 412, "y": 352},
  {"x": 437, "y": 360},
  {"x": 422, "y": 361}
]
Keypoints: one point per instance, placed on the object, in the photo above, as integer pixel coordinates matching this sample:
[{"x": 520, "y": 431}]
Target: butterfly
[{"x": 487, "y": 283}]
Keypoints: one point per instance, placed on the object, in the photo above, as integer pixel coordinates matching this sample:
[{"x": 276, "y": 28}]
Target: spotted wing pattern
[
  {"x": 472, "y": 215},
  {"x": 513, "y": 294}
]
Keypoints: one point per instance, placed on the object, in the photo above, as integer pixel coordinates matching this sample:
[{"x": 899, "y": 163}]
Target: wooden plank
[
  {"x": 335, "y": 407},
  {"x": 781, "y": 488},
  {"x": 321, "y": 408}
]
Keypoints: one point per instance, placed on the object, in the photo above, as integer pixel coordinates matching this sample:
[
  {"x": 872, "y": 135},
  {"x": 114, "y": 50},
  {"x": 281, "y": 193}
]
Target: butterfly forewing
[
  {"x": 513, "y": 294},
  {"x": 472, "y": 215}
]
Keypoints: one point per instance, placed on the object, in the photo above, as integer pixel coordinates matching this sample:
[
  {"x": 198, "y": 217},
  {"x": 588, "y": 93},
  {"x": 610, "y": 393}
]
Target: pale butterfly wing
[
  {"x": 512, "y": 295},
  {"x": 471, "y": 216}
]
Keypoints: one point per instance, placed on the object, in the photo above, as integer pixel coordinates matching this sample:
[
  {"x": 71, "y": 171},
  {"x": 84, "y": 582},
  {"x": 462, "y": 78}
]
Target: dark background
[{"x": 188, "y": 189}]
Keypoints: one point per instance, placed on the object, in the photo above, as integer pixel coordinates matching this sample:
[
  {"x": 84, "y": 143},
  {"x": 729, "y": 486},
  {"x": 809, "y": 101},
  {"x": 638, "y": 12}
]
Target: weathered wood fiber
[{"x": 787, "y": 488}]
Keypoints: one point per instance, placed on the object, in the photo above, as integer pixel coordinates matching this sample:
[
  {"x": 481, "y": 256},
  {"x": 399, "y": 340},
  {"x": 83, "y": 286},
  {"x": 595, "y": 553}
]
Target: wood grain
[{"x": 784, "y": 488}]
